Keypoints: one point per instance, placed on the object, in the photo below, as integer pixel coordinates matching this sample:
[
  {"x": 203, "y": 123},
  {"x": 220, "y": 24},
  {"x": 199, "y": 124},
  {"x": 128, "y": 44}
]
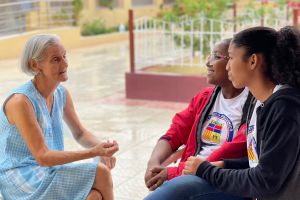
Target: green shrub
[
  {"x": 61, "y": 18},
  {"x": 107, "y": 3},
  {"x": 77, "y": 8},
  {"x": 96, "y": 27}
]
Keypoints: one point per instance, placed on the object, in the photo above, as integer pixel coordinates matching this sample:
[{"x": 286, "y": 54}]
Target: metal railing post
[{"x": 131, "y": 41}]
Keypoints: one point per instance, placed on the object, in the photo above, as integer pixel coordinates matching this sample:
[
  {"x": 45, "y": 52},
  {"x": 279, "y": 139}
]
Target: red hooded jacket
[{"x": 183, "y": 131}]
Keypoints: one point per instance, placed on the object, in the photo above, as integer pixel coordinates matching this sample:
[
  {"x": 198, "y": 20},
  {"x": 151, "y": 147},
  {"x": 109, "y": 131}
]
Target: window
[
  {"x": 169, "y": 1},
  {"x": 110, "y": 3},
  {"x": 142, "y": 2}
]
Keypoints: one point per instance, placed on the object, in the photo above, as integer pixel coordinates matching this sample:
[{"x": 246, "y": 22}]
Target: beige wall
[
  {"x": 117, "y": 16},
  {"x": 70, "y": 36},
  {"x": 91, "y": 11}
]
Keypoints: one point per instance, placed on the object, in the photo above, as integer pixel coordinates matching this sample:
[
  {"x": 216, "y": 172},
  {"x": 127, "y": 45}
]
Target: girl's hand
[
  {"x": 191, "y": 165},
  {"x": 159, "y": 176}
]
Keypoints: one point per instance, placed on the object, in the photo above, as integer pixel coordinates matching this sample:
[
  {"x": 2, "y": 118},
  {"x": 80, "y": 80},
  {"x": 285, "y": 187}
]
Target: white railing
[
  {"x": 22, "y": 16},
  {"x": 184, "y": 43}
]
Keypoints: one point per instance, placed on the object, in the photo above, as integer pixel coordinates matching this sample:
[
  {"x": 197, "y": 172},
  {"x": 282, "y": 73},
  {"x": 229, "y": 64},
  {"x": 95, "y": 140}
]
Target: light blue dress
[{"x": 21, "y": 178}]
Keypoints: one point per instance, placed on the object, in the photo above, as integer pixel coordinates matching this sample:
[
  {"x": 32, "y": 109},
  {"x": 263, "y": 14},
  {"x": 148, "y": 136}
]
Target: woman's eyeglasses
[{"x": 217, "y": 56}]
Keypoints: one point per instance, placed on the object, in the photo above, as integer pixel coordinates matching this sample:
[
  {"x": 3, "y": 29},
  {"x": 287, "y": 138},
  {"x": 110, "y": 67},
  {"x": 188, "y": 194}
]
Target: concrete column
[
  {"x": 295, "y": 16},
  {"x": 90, "y": 5},
  {"x": 32, "y": 20},
  {"x": 158, "y": 3},
  {"x": 127, "y": 4},
  {"x": 43, "y": 14}
]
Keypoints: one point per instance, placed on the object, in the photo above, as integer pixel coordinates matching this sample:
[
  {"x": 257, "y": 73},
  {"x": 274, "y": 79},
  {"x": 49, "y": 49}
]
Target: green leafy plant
[
  {"x": 191, "y": 8},
  {"x": 77, "y": 8},
  {"x": 212, "y": 9},
  {"x": 107, "y": 3},
  {"x": 257, "y": 11},
  {"x": 219, "y": 10},
  {"x": 96, "y": 27},
  {"x": 60, "y": 18}
]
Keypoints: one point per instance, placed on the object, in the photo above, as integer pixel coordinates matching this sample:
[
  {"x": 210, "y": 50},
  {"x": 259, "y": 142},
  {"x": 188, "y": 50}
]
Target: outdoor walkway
[{"x": 96, "y": 82}]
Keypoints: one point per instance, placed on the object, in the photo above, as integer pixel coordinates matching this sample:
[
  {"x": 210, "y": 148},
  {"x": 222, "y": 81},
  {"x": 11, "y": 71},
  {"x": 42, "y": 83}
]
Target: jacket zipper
[{"x": 204, "y": 114}]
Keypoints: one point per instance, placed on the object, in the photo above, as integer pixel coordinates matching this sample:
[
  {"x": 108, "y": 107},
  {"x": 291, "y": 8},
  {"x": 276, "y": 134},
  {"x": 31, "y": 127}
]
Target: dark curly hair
[
  {"x": 280, "y": 49},
  {"x": 286, "y": 68}
]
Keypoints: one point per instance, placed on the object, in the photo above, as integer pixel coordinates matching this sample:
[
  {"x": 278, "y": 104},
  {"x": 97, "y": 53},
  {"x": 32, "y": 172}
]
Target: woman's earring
[{"x": 36, "y": 73}]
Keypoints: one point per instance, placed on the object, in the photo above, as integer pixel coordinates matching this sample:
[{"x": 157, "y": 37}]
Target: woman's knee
[
  {"x": 103, "y": 175},
  {"x": 94, "y": 195}
]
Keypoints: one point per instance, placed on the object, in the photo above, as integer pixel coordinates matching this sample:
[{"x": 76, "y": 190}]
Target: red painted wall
[{"x": 163, "y": 87}]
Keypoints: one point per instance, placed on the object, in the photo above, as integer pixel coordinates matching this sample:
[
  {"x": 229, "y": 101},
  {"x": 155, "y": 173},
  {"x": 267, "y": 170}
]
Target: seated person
[
  {"x": 33, "y": 163},
  {"x": 268, "y": 63},
  {"x": 212, "y": 126}
]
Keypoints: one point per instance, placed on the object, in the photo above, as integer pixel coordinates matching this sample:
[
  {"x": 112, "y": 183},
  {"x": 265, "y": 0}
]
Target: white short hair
[{"x": 34, "y": 49}]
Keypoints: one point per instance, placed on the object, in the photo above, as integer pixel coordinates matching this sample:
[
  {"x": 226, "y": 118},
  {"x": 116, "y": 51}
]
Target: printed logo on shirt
[
  {"x": 213, "y": 132},
  {"x": 251, "y": 129},
  {"x": 252, "y": 148},
  {"x": 218, "y": 125},
  {"x": 251, "y": 151}
]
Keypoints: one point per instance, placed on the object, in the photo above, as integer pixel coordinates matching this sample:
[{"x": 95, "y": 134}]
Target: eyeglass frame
[{"x": 215, "y": 56}]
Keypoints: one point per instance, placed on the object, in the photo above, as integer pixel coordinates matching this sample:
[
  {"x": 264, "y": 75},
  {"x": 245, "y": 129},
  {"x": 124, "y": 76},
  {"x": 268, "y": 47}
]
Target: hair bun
[{"x": 286, "y": 68}]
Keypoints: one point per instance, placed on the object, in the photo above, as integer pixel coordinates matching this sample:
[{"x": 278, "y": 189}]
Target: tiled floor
[{"x": 96, "y": 82}]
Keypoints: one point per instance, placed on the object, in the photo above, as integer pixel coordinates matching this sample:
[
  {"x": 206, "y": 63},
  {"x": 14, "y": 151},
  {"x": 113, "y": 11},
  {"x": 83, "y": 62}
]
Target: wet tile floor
[{"x": 97, "y": 85}]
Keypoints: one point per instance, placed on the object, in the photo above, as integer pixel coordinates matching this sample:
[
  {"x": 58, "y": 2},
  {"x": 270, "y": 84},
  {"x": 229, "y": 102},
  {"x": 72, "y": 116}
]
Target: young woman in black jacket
[{"x": 268, "y": 63}]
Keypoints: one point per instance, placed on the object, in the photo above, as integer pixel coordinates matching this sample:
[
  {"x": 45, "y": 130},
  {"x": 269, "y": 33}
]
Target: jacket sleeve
[
  {"x": 183, "y": 121},
  {"x": 237, "y": 148},
  {"x": 238, "y": 163},
  {"x": 175, "y": 171},
  {"x": 278, "y": 153}
]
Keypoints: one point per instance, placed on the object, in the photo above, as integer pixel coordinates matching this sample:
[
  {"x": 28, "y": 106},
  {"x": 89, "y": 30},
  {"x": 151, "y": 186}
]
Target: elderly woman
[{"x": 33, "y": 163}]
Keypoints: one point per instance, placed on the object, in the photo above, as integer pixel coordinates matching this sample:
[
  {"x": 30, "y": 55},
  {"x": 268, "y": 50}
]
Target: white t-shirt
[
  {"x": 222, "y": 122},
  {"x": 252, "y": 134},
  {"x": 252, "y": 138}
]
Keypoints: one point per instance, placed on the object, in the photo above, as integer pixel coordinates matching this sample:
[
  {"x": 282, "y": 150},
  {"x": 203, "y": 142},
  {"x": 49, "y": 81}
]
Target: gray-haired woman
[{"x": 33, "y": 163}]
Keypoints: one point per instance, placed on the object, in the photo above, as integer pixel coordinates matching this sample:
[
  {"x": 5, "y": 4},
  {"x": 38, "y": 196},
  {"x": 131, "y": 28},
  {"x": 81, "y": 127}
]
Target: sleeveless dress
[{"x": 21, "y": 178}]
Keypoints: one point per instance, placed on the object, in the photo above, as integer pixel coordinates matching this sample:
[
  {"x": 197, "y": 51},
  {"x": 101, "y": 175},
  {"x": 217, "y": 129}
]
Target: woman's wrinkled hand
[
  {"x": 110, "y": 162},
  {"x": 106, "y": 149}
]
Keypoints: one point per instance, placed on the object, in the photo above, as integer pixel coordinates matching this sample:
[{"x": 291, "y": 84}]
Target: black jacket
[{"x": 277, "y": 175}]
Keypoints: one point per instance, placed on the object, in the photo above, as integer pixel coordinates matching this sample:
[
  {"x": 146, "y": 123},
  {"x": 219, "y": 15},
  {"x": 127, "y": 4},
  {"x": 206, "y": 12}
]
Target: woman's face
[
  {"x": 238, "y": 67},
  {"x": 216, "y": 65},
  {"x": 54, "y": 65}
]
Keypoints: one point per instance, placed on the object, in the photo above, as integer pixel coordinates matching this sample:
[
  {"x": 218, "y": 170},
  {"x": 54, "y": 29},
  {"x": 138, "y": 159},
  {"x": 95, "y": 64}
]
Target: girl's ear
[{"x": 253, "y": 61}]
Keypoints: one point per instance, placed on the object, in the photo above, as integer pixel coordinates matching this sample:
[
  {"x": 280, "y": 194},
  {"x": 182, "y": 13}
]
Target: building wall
[
  {"x": 70, "y": 37},
  {"x": 118, "y": 15}
]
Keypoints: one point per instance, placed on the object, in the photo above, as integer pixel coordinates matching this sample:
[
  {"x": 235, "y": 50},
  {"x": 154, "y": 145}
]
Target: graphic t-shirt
[
  {"x": 252, "y": 133},
  {"x": 222, "y": 122}
]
